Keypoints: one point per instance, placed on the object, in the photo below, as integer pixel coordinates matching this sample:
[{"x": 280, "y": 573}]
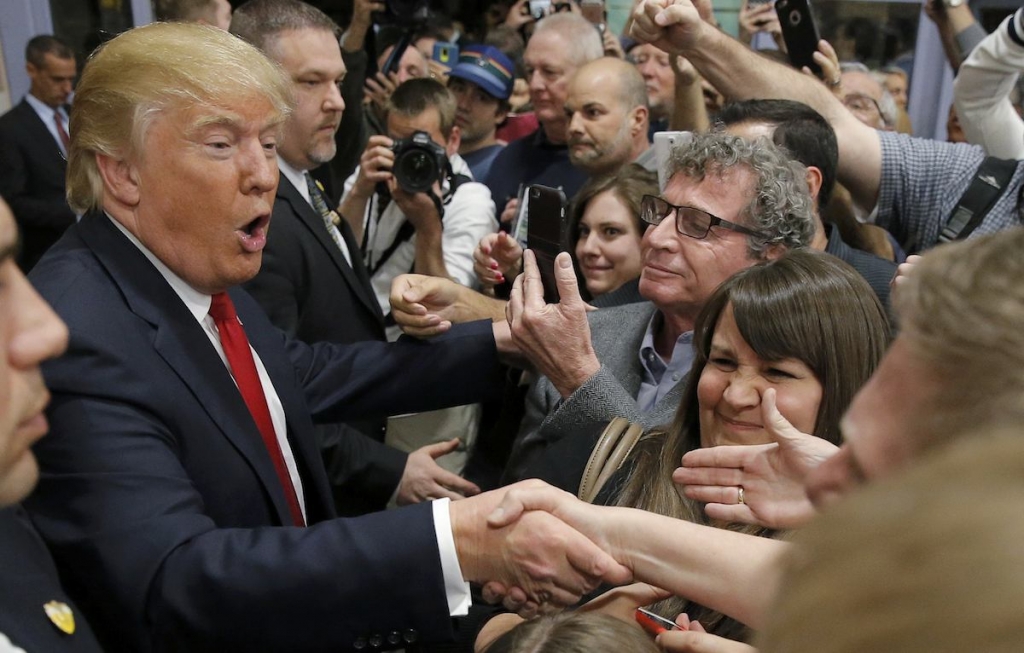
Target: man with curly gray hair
[{"x": 728, "y": 204}]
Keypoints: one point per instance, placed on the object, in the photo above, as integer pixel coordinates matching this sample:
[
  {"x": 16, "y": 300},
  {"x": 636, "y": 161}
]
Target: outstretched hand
[
  {"x": 622, "y": 602},
  {"x": 496, "y": 259},
  {"x": 903, "y": 271},
  {"x": 771, "y": 475},
  {"x": 423, "y": 479},
  {"x": 535, "y": 495},
  {"x": 554, "y": 337},
  {"x": 533, "y": 558},
  {"x": 423, "y": 305}
]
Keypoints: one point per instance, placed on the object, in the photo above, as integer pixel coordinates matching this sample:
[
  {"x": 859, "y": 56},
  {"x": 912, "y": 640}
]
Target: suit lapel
[
  {"x": 184, "y": 345},
  {"x": 625, "y": 359},
  {"x": 267, "y": 341},
  {"x": 39, "y": 133},
  {"x": 311, "y": 220}
]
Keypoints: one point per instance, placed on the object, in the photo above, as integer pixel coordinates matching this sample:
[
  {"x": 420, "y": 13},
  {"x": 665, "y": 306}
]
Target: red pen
[{"x": 654, "y": 624}]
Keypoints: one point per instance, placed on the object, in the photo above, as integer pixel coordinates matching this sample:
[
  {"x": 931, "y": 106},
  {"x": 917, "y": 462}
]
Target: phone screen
[
  {"x": 539, "y": 8},
  {"x": 547, "y": 232},
  {"x": 664, "y": 144}
]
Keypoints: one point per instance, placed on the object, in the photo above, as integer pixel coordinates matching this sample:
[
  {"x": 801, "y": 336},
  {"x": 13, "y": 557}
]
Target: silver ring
[{"x": 739, "y": 499}]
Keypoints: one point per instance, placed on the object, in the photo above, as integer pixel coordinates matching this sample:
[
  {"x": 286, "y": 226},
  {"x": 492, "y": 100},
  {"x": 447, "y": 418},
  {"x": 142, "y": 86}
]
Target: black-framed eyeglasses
[
  {"x": 861, "y": 102},
  {"x": 691, "y": 222}
]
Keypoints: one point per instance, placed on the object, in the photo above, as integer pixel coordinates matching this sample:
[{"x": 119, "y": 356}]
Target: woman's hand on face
[{"x": 756, "y": 484}]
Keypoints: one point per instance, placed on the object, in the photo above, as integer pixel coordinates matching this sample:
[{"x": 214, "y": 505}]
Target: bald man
[{"x": 608, "y": 117}]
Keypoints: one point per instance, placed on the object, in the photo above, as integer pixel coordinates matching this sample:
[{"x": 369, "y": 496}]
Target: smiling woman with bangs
[{"x": 806, "y": 327}]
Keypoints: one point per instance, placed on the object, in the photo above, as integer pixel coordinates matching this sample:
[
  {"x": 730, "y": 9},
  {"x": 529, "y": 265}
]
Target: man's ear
[
  {"x": 120, "y": 179},
  {"x": 814, "y": 181},
  {"x": 501, "y": 113},
  {"x": 638, "y": 119},
  {"x": 454, "y": 141}
]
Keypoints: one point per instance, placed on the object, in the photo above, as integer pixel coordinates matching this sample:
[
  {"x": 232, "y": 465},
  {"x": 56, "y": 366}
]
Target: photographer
[{"x": 402, "y": 229}]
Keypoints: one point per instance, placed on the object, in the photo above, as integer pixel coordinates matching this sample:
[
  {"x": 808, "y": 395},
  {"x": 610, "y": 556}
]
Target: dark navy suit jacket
[
  {"x": 28, "y": 581},
  {"x": 160, "y": 503},
  {"x": 32, "y": 170}
]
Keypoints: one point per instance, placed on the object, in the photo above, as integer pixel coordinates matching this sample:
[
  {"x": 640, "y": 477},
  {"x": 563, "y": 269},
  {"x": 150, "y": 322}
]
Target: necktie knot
[{"x": 222, "y": 309}]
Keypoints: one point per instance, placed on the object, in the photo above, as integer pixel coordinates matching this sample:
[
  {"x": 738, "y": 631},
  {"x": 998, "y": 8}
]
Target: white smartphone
[{"x": 664, "y": 143}]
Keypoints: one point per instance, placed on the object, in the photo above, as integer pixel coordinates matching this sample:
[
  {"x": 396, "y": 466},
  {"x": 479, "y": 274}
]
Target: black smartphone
[
  {"x": 547, "y": 232},
  {"x": 394, "y": 60},
  {"x": 800, "y": 32}
]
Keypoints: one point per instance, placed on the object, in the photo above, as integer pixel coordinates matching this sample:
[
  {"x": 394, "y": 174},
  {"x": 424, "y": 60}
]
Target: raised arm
[
  {"x": 983, "y": 87},
  {"x": 730, "y": 572},
  {"x": 739, "y": 73}
]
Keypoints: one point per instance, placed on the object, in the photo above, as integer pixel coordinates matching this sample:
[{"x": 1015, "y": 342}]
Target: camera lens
[
  {"x": 795, "y": 18},
  {"x": 416, "y": 171}
]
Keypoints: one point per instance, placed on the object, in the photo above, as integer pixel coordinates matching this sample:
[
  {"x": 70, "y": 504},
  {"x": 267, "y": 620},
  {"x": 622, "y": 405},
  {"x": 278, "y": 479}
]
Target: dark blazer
[
  {"x": 160, "y": 503},
  {"x": 877, "y": 271},
  {"x": 311, "y": 293},
  {"x": 29, "y": 581},
  {"x": 305, "y": 285},
  {"x": 32, "y": 170}
]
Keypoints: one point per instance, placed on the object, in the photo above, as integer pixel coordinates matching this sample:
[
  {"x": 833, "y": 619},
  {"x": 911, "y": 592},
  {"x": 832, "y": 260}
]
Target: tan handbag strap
[{"x": 611, "y": 450}]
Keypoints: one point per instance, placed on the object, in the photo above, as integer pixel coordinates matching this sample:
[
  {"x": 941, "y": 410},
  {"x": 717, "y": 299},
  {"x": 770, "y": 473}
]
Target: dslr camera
[{"x": 419, "y": 162}]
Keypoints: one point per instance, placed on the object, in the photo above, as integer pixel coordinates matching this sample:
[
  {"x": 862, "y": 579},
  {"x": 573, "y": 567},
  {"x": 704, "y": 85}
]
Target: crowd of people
[{"x": 283, "y": 376}]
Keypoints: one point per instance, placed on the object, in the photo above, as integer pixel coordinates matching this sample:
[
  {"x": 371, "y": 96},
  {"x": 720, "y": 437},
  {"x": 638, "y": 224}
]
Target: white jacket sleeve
[{"x": 982, "y": 89}]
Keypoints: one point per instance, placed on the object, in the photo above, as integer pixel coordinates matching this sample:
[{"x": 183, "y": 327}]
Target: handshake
[{"x": 536, "y": 548}]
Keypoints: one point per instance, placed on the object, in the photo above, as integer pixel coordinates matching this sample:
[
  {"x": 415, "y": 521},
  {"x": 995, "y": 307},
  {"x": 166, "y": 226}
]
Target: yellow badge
[{"x": 61, "y": 616}]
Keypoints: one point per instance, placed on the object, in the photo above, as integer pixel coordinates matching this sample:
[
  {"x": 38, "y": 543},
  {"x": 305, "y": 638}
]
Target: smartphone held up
[{"x": 800, "y": 32}]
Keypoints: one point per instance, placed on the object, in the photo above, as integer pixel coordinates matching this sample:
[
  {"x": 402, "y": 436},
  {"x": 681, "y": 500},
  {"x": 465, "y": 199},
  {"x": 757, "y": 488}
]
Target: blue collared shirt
[{"x": 660, "y": 377}]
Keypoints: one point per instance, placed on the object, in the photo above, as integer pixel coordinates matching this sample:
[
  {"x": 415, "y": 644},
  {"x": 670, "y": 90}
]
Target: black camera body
[{"x": 419, "y": 162}]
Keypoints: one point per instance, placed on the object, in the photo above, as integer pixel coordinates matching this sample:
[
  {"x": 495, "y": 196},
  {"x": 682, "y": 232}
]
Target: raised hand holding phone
[
  {"x": 555, "y": 338},
  {"x": 800, "y": 33}
]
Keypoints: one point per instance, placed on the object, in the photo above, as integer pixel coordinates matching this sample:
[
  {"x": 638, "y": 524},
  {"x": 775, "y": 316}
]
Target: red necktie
[
  {"x": 63, "y": 133},
  {"x": 236, "y": 348}
]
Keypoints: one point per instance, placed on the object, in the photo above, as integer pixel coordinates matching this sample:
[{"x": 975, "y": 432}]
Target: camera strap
[
  {"x": 406, "y": 231},
  {"x": 988, "y": 184}
]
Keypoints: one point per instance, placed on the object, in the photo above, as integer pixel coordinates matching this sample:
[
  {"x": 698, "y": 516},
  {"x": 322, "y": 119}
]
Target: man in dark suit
[
  {"x": 33, "y": 149},
  {"x": 183, "y": 496},
  {"x": 35, "y": 612},
  {"x": 313, "y": 283}
]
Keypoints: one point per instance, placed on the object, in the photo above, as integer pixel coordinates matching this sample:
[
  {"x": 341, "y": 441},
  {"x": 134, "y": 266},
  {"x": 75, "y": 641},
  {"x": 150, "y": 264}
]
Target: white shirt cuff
[{"x": 455, "y": 588}]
